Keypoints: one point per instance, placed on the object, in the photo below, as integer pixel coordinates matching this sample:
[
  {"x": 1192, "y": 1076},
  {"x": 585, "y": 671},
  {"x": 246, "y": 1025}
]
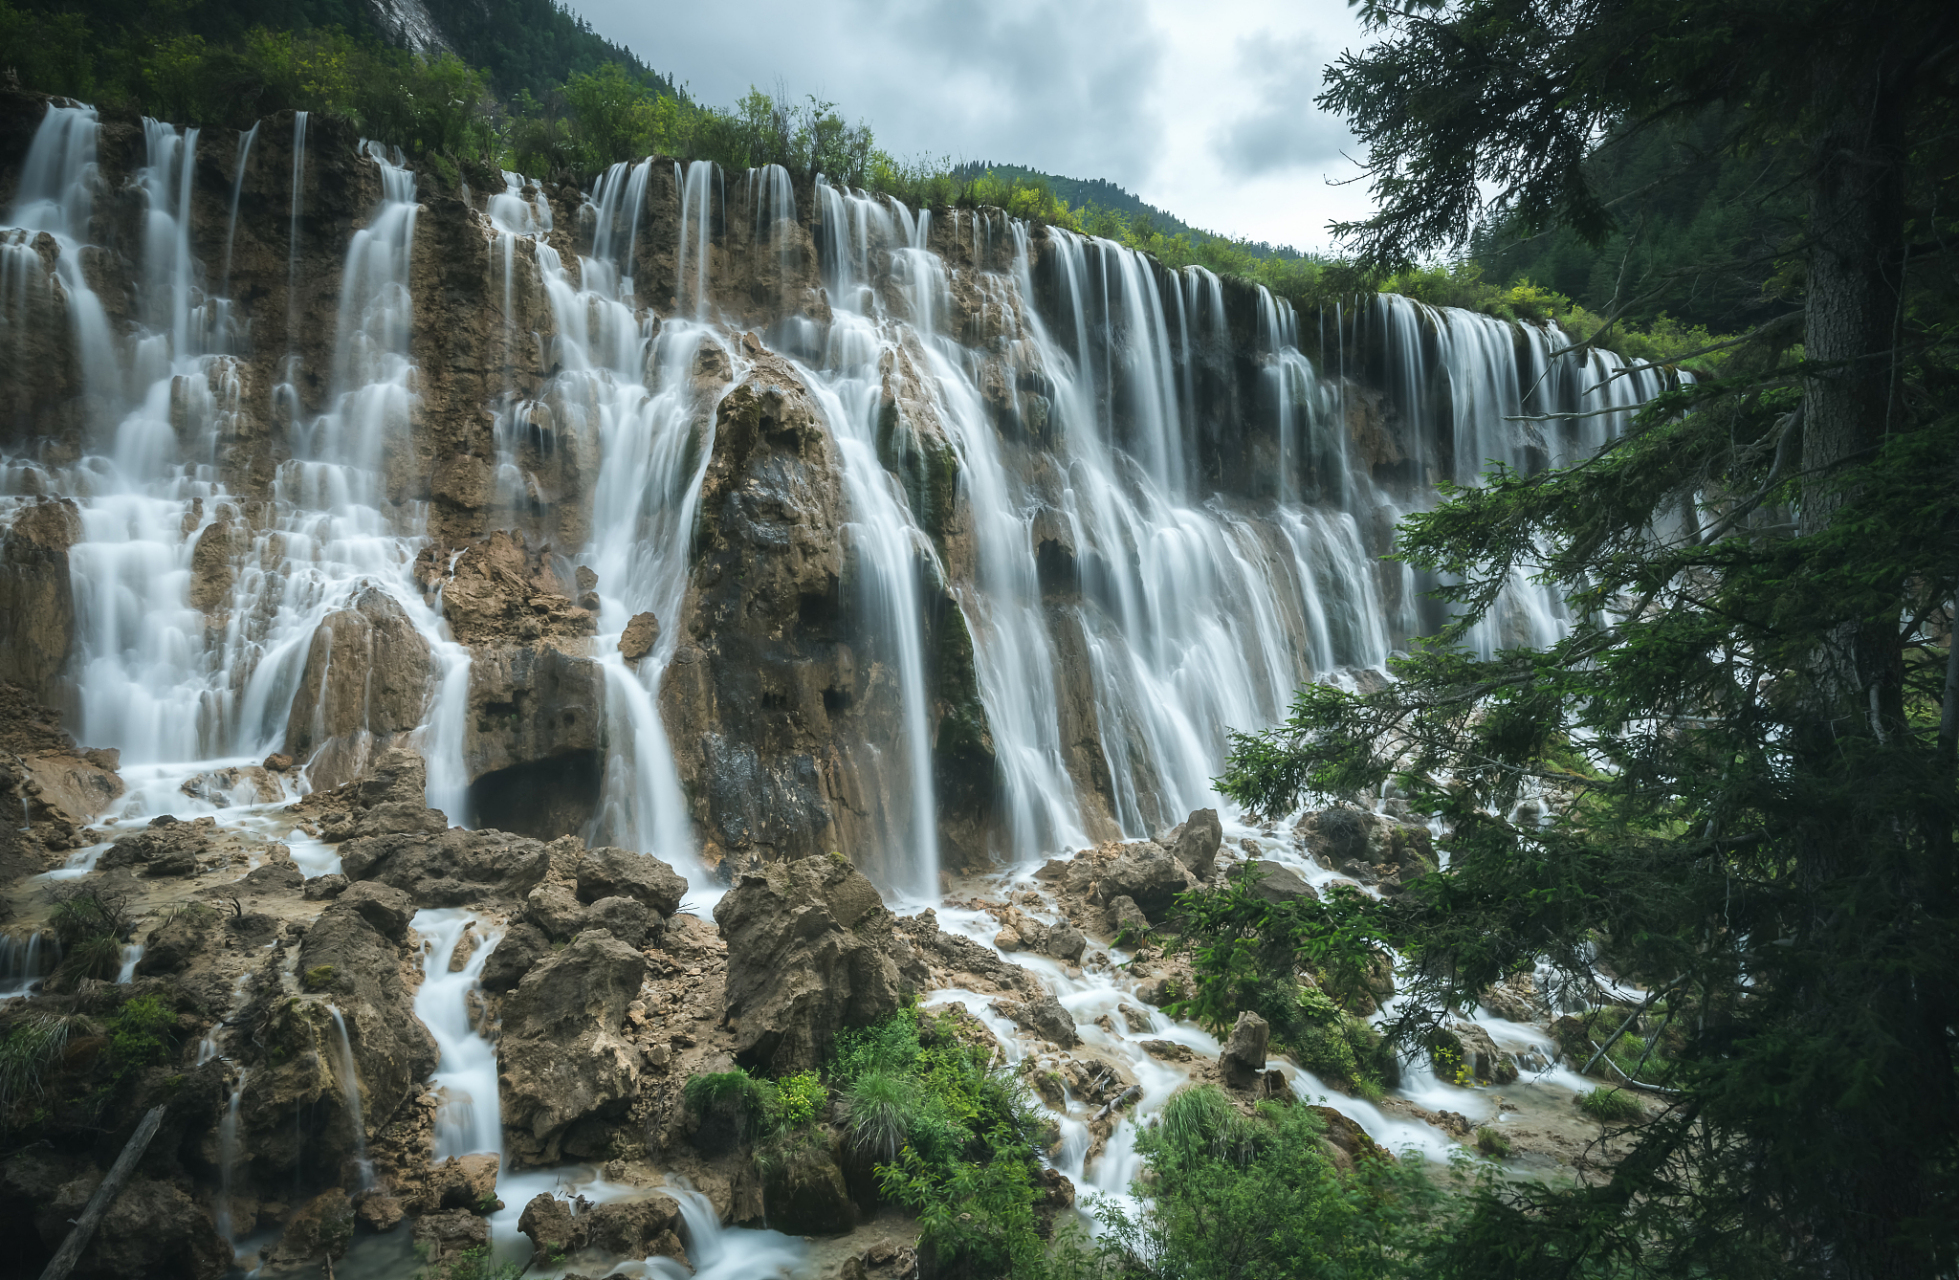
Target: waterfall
[
  {"x": 230, "y": 1150},
  {"x": 469, "y": 1120},
  {"x": 350, "y": 1097},
  {"x": 25, "y": 959}
]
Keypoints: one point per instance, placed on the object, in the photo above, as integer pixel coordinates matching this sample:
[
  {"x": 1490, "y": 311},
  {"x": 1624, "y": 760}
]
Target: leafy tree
[{"x": 1747, "y": 741}]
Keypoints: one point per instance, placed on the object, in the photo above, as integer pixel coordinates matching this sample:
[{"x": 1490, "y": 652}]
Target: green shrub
[
  {"x": 733, "y": 1099},
  {"x": 137, "y": 1033},
  {"x": 883, "y": 1107},
  {"x": 1232, "y": 1195},
  {"x": 318, "y": 978},
  {"x": 1610, "y": 1106},
  {"x": 1492, "y": 1143},
  {"x": 31, "y": 1047}
]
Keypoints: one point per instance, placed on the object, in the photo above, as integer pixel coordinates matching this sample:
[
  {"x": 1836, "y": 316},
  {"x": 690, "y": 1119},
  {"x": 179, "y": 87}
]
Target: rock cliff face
[{"x": 783, "y": 693}]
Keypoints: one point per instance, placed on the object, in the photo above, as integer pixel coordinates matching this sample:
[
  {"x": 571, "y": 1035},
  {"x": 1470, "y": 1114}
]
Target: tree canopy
[{"x": 1733, "y": 782}]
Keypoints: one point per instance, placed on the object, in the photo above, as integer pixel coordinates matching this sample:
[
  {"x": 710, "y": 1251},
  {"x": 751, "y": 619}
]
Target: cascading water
[
  {"x": 347, "y": 1075},
  {"x": 468, "y": 1121}
]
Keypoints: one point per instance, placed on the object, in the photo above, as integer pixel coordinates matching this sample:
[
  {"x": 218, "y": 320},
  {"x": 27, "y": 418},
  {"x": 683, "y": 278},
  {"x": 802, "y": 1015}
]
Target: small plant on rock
[
  {"x": 1610, "y": 1106},
  {"x": 1493, "y": 1144}
]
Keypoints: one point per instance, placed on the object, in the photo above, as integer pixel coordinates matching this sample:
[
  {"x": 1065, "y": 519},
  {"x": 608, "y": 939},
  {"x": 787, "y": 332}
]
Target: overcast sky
[{"x": 1203, "y": 109}]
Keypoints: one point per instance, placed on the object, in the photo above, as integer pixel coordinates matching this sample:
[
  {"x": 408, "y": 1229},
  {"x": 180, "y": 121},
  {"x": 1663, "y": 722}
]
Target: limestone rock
[
  {"x": 37, "y": 603},
  {"x": 563, "y": 1056},
  {"x": 166, "y": 847},
  {"x": 1146, "y": 872},
  {"x": 1196, "y": 845},
  {"x": 639, "y": 637},
  {"x": 811, "y": 951},
  {"x": 450, "y": 1233},
  {"x": 1245, "y": 1051},
  {"x": 607, "y": 872},
  {"x": 555, "y": 909},
  {"x": 624, "y": 918},
  {"x": 450, "y": 868},
  {"x": 1278, "y": 883},
  {"x": 238, "y": 784},
  {"x": 1371, "y": 848},
  {"x": 1044, "y": 1017},
  {"x": 321, "y": 1228},
  {"x": 522, "y": 946},
  {"x": 631, "y": 1228},
  {"x": 804, "y": 1194},
  {"x": 1126, "y": 920},
  {"x": 368, "y": 677},
  {"x": 1064, "y": 941},
  {"x": 389, "y": 798}
]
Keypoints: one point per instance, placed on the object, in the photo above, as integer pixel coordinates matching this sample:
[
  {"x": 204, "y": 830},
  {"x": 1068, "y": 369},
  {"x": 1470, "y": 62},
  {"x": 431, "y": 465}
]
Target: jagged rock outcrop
[
  {"x": 367, "y": 679},
  {"x": 154, "y": 1225},
  {"x": 563, "y": 1058},
  {"x": 812, "y": 950},
  {"x": 390, "y": 798}
]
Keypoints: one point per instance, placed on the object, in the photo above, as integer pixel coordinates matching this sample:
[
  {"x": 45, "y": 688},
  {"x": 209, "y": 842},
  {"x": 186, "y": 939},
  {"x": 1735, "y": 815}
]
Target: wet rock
[
  {"x": 803, "y": 1193},
  {"x": 449, "y": 1234},
  {"x": 1277, "y": 883},
  {"x": 368, "y": 677},
  {"x": 1168, "y": 1050},
  {"x": 811, "y": 951},
  {"x": 563, "y": 1056},
  {"x": 1146, "y": 872},
  {"x": 153, "y": 1226},
  {"x": 1480, "y": 1056},
  {"x": 521, "y": 946},
  {"x": 1196, "y": 843},
  {"x": 607, "y": 872},
  {"x": 639, "y": 637},
  {"x": 354, "y": 954},
  {"x": 326, "y": 887},
  {"x": 1515, "y": 999},
  {"x": 553, "y": 1231},
  {"x": 165, "y": 840},
  {"x": 1244, "y": 1053},
  {"x": 1157, "y": 992},
  {"x": 555, "y": 909},
  {"x": 1064, "y": 941},
  {"x": 387, "y": 908},
  {"x": 321, "y": 1228},
  {"x": 1349, "y": 1142},
  {"x": 1369, "y": 847},
  {"x": 379, "y": 1211},
  {"x": 1044, "y": 1017},
  {"x": 465, "y": 1182},
  {"x": 1137, "y": 1020},
  {"x": 633, "y": 1228},
  {"x": 390, "y": 798},
  {"x": 240, "y": 784},
  {"x": 184, "y": 935}
]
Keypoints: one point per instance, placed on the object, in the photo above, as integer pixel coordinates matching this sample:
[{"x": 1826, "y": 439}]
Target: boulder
[
  {"x": 152, "y": 1227},
  {"x": 631, "y": 1228},
  {"x": 165, "y": 847},
  {"x": 383, "y": 906},
  {"x": 184, "y": 935},
  {"x": 354, "y": 955},
  {"x": 606, "y": 872},
  {"x": 639, "y": 637},
  {"x": 521, "y": 946},
  {"x": 554, "y": 1233},
  {"x": 1146, "y": 872},
  {"x": 1244, "y": 1053},
  {"x": 1126, "y": 920},
  {"x": 367, "y": 678},
  {"x": 624, "y": 918},
  {"x": 1480, "y": 1056},
  {"x": 241, "y": 785},
  {"x": 1197, "y": 841},
  {"x": 811, "y": 951},
  {"x": 1277, "y": 883},
  {"x": 1044, "y": 1017},
  {"x": 450, "y": 867},
  {"x": 390, "y": 798},
  {"x": 1064, "y": 941},
  {"x": 803, "y": 1193},
  {"x": 465, "y": 1182},
  {"x": 324, "y": 888},
  {"x": 555, "y": 909},
  {"x": 563, "y": 1056},
  {"x": 1371, "y": 848}
]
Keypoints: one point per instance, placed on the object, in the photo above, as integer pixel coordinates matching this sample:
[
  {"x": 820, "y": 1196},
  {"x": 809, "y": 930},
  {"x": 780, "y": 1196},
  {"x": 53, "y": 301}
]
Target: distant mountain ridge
[{"x": 1100, "y": 193}]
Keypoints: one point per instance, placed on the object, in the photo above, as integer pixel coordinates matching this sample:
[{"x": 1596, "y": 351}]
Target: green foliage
[
  {"x": 731, "y": 1098},
  {"x": 798, "y": 1098},
  {"x": 31, "y": 1048},
  {"x": 883, "y": 1108},
  {"x": 1231, "y": 1195},
  {"x": 1492, "y": 1143},
  {"x": 318, "y": 978},
  {"x": 1247, "y": 952},
  {"x": 1611, "y": 1106},
  {"x": 471, "y": 1264},
  {"x": 138, "y": 1034},
  {"x": 976, "y": 1216}
]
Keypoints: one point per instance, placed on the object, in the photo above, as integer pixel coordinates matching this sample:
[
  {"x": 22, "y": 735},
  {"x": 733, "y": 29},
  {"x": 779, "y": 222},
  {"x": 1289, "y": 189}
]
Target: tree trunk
[{"x": 105, "y": 1195}]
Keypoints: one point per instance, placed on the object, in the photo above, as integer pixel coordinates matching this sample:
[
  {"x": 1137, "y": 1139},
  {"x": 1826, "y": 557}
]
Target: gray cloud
[{"x": 1285, "y": 131}]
